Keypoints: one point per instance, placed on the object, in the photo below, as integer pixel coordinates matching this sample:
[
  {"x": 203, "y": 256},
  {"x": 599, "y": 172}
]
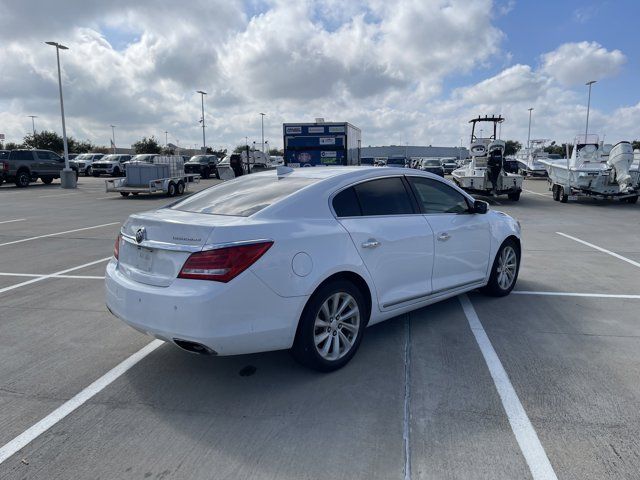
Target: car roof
[{"x": 303, "y": 203}]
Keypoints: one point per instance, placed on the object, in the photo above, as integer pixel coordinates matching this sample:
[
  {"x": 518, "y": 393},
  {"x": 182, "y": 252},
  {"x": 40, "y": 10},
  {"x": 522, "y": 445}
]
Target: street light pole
[
  {"x": 204, "y": 143},
  {"x": 529, "y": 134},
  {"x": 166, "y": 138},
  {"x": 262, "y": 121},
  {"x": 113, "y": 137},
  {"x": 33, "y": 124},
  {"x": 586, "y": 130},
  {"x": 67, "y": 176}
]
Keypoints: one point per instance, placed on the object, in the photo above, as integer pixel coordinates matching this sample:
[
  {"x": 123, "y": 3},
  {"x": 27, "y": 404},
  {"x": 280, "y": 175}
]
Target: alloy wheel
[
  {"x": 336, "y": 326},
  {"x": 507, "y": 267}
]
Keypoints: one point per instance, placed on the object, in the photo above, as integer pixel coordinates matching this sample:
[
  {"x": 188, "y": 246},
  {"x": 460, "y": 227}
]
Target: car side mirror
[{"x": 480, "y": 207}]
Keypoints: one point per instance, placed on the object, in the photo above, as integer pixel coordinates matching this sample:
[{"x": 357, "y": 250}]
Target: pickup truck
[{"x": 25, "y": 166}]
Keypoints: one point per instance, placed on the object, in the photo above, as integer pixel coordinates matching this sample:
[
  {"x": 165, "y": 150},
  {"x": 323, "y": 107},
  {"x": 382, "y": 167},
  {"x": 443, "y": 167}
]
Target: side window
[
  {"x": 21, "y": 155},
  {"x": 385, "y": 196},
  {"x": 56, "y": 157},
  {"x": 346, "y": 204},
  {"x": 436, "y": 197},
  {"x": 43, "y": 155}
]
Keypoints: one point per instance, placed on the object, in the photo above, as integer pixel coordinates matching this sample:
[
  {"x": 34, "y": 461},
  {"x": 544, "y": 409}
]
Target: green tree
[
  {"x": 47, "y": 140},
  {"x": 636, "y": 144},
  {"x": 82, "y": 146},
  {"x": 555, "y": 148},
  {"x": 168, "y": 151},
  {"x": 13, "y": 146},
  {"x": 147, "y": 145},
  {"x": 276, "y": 152},
  {"x": 240, "y": 148},
  {"x": 511, "y": 147}
]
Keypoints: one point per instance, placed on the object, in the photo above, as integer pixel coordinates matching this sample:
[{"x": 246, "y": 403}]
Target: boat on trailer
[
  {"x": 485, "y": 174},
  {"x": 592, "y": 171},
  {"x": 529, "y": 159}
]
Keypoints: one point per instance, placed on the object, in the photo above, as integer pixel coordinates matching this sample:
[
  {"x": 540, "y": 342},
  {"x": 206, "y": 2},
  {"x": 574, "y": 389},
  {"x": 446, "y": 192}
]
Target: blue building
[{"x": 321, "y": 143}]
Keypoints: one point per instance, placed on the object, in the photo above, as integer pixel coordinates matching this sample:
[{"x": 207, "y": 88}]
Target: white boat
[
  {"x": 593, "y": 170},
  {"x": 485, "y": 173},
  {"x": 529, "y": 159}
]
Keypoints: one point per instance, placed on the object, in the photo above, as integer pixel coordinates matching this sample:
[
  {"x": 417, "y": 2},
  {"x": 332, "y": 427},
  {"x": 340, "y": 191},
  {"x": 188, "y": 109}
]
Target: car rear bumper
[{"x": 242, "y": 316}]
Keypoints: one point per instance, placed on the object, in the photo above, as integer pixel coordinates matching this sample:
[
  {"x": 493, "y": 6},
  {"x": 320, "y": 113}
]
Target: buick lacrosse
[{"x": 305, "y": 259}]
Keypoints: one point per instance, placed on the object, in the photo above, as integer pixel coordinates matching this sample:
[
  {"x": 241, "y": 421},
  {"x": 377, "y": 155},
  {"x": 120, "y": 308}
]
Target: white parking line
[
  {"x": 34, "y": 275},
  {"x": 525, "y": 434},
  {"x": 16, "y": 220},
  {"x": 603, "y": 250},
  {"x": 44, "y": 277},
  {"x": 57, "y": 195},
  {"x": 406, "y": 426},
  {"x": 574, "y": 294},
  {"x": 536, "y": 193},
  {"x": 73, "y": 403},
  {"x": 58, "y": 233}
]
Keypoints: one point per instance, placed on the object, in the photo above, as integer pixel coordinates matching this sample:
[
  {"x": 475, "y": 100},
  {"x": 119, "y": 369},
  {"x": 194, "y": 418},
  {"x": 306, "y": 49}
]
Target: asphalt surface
[{"x": 421, "y": 399}]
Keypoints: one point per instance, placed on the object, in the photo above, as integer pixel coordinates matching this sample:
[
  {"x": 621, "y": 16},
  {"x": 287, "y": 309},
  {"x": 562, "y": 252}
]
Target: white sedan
[{"x": 305, "y": 259}]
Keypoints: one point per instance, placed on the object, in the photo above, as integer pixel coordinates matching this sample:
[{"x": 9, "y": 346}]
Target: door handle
[
  {"x": 371, "y": 243},
  {"x": 444, "y": 236}
]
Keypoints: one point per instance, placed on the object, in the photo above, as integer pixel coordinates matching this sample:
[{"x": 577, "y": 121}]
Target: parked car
[
  {"x": 25, "y": 166},
  {"x": 141, "y": 157},
  {"x": 323, "y": 252},
  {"x": 397, "y": 162},
  {"x": 110, "y": 165},
  {"x": 449, "y": 164},
  {"x": 84, "y": 160},
  {"x": 432, "y": 165},
  {"x": 205, "y": 165}
]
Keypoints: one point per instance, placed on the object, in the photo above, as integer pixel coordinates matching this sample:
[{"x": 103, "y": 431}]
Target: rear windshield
[{"x": 244, "y": 196}]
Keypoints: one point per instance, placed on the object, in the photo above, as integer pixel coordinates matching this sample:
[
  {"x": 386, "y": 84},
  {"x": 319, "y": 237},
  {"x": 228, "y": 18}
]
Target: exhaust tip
[{"x": 194, "y": 347}]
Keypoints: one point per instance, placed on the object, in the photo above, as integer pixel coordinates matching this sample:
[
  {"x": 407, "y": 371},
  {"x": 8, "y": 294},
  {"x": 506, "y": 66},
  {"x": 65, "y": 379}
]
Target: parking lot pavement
[{"x": 420, "y": 400}]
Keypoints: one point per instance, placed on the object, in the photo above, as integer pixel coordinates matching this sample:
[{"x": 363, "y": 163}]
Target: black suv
[
  {"x": 205, "y": 165},
  {"x": 25, "y": 166}
]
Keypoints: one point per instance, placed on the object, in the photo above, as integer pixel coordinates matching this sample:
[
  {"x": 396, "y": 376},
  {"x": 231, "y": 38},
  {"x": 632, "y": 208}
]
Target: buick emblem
[{"x": 140, "y": 234}]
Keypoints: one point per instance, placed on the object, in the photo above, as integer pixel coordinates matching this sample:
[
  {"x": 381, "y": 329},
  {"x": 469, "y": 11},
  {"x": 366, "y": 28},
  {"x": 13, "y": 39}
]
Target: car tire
[
  {"x": 46, "y": 180},
  {"x": 206, "y": 173},
  {"x": 171, "y": 189},
  {"x": 77, "y": 174},
  {"x": 124, "y": 194},
  {"x": 325, "y": 341},
  {"x": 555, "y": 190},
  {"x": 515, "y": 196},
  {"x": 502, "y": 280},
  {"x": 22, "y": 179},
  {"x": 180, "y": 188},
  {"x": 628, "y": 199}
]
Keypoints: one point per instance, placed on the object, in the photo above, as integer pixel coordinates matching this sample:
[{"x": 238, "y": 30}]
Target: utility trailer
[{"x": 165, "y": 175}]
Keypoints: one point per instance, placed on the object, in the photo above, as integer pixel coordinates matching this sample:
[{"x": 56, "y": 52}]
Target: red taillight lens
[
  {"x": 223, "y": 264},
  {"x": 116, "y": 247}
]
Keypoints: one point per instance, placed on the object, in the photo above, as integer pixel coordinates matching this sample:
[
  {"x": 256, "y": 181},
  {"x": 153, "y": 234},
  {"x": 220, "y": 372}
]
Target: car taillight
[
  {"x": 116, "y": 247},
  {"x": 5, "y": 166},
  {"x": 223, "y": 264}
]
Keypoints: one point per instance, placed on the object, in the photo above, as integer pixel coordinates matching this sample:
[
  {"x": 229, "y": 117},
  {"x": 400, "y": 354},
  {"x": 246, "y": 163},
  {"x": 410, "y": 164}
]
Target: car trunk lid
[{"x": 155, "y": 245}]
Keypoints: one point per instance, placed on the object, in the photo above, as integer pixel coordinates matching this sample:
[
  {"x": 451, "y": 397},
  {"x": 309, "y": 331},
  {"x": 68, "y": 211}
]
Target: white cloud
[
  {"x": 577, "y": 63},
  {"x": 378, "y": 64}
]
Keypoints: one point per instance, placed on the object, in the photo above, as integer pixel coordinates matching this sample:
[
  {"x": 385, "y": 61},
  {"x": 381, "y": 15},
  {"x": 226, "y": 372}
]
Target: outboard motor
[
  {"x": 620, "y": 159},
  {"x": 494, "y": 163}
]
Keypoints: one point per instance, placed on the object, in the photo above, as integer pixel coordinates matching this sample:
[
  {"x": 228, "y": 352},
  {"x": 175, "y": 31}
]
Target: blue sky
[{"x": 403, "y": 71}]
